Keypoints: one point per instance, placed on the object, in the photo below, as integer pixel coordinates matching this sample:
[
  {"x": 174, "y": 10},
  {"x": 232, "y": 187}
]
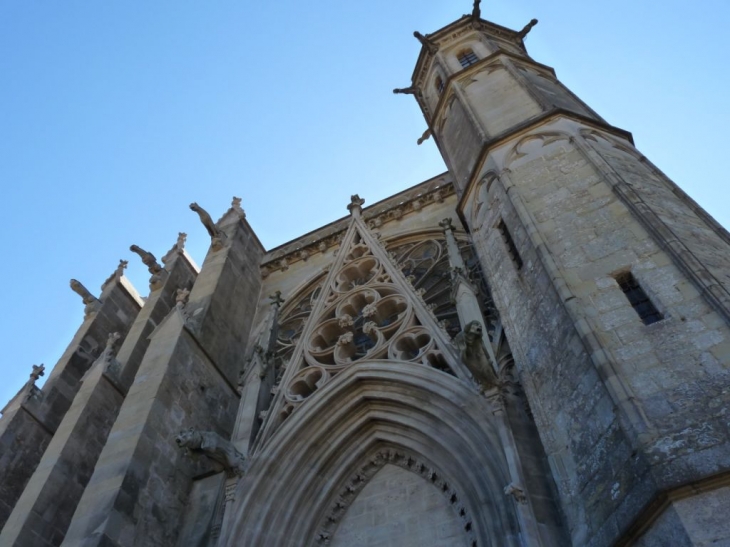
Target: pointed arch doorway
[{"x": 380, "y": 422}]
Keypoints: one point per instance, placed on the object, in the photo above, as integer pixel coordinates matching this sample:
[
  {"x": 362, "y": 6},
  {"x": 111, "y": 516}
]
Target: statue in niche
[
  {"x": 472, "y": 352},
  {"x": 214, "y": 447}
]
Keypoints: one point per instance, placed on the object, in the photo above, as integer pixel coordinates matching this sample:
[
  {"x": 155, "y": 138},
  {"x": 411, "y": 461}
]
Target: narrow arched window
[
  {"x": 467, "y": 57},
  {"x": 439, "y": 83}
]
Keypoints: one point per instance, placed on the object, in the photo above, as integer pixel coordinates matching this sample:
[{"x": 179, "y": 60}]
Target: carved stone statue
[
  {"x": 476, "y": 12},
  {"x": 355, "y": 205},
  {"x": 471, "y": 349},
  {"x": 108, "y": 356},
  {"x": 212, "y": 446}
]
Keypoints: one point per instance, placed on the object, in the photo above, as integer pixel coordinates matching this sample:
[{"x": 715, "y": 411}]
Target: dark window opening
[
  {"x": 439, "y": 85},
  {"x": 511, "y": 247},
  {"x": 638, "y": 298},
  {"x": 467, "y": 58}
]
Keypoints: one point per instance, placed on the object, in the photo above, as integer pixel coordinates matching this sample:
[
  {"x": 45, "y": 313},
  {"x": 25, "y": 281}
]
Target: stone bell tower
[{"x": 611, "y": 282}]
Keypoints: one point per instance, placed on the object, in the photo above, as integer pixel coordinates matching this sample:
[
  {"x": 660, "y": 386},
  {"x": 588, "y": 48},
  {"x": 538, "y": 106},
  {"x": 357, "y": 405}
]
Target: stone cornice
[
  {"x": 457, "y": 29},
  {"x": 468, "y": 71},
  {"x": 409, "y": 201}
]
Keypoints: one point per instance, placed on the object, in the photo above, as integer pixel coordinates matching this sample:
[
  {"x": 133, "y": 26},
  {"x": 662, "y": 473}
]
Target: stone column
[
  {"x": 187, "y": 378},
  {"x": 29, "y": 423},
  {"x": 257, "y": 380},
  {"x": 463, "y": 293},
  {"x": 44, "y": 510}
]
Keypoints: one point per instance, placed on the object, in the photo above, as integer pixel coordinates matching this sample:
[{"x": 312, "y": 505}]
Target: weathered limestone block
[
  {"x": 139, "y": 489},
  {"x": 46, "y": 506},
  {"x": 25, "y": 433}
]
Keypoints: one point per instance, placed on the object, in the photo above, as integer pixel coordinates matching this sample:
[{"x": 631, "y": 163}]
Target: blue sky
[{"x": 115, "y": 115}]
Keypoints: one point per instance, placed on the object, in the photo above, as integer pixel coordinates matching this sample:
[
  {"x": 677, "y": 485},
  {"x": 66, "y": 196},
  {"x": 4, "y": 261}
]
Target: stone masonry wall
[
  {"x": 664, "y": 377},
  {"x": 579, "y": 425}
]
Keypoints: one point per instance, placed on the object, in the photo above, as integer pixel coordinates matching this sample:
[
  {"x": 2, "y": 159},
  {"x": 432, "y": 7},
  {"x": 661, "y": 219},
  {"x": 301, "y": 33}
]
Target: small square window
[{"x": 467, "y": 58}]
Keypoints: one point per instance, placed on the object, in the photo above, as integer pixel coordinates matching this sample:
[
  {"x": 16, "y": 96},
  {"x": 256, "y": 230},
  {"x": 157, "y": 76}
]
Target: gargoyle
[
  {"x": 527, "y": 28},
  {"x": 212, "y": 446},
  {"x": 148, "y": 259},
  {"x": 216, "y": 235},
  {"x": 431, "y": 47},
  {"x": 471, "y": 350}
]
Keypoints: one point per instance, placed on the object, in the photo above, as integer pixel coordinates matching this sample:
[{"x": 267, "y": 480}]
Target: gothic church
[{"x": 532, "y": 349}]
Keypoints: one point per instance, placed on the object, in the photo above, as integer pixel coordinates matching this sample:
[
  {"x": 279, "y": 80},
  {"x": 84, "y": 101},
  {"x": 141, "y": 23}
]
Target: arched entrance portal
[{"x": 377, "y": 417}]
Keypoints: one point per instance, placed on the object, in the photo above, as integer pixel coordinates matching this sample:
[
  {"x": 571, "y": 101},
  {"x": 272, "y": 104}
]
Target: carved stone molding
[
  {"x": 375, "y": 463},
  {"x": 392, "y": 209}
]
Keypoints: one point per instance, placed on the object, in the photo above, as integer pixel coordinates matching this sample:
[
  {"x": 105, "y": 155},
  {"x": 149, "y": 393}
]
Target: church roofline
[{"x": 383, "y": 211}]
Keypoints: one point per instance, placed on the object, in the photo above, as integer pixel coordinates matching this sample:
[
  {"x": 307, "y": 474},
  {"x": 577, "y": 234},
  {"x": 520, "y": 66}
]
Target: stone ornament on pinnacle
[
  {"x": 236, "y": 207},
  {"x": 117, "y": 274},
  {"x": 355, "y": 205}
]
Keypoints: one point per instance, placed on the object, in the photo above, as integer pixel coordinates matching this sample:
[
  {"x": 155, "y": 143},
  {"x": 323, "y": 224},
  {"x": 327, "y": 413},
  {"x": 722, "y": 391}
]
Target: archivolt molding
[
  {"x": 370, "y": 407},
  {"x": 369, "y": 469}
]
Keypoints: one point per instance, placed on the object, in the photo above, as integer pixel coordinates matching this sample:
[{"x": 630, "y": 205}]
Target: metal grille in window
[
  {"x": 511, "y": 247},
  {"x": 638, "y": 298},
  {"x": 467, "y": 58}
]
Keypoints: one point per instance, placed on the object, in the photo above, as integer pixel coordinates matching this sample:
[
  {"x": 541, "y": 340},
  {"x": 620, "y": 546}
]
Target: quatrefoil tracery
[{"x": 358, "y": 325}]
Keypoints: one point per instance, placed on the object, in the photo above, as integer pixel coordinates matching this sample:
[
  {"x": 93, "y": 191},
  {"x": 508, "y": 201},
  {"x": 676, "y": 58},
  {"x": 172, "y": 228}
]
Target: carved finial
[
  {"x": 148, "y": 259},
  {"x": 181, "y": 297},
  {"x": 276, "y": 299},
  {"x": 216, "y": 235},
  {"x": 180, "y": 243},
  {"x": 112, "y": 340},
  {"x": 424, "y": 137},
  {"x": 528, "y": 27},
  {"x": 406, "y": 90},
  {"x": 476, "y": 11},
  {"x": 355, "y": 205},
  {"x": 38, "y": 371},
  {"x": 119, "y": 272},
  {"x": 446, "y": 224},
  {"x": 177, "y": 248},
  {"x": 431, "y": 47},
  {"x": 236, "y": 206}
]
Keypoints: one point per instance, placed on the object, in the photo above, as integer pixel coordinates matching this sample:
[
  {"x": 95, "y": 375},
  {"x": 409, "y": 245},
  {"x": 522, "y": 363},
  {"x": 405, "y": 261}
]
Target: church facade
[{"x": 532, "y": 349}]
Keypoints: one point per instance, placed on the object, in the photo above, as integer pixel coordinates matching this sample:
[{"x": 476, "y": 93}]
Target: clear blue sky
[{"x": 115, "y": 115}]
